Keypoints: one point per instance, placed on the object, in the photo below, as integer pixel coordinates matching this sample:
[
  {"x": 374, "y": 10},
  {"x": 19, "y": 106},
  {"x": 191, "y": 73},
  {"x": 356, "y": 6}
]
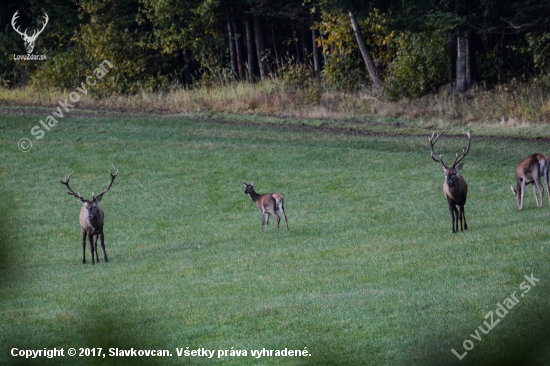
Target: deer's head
[
  {"x": 248, "y": 188},
  {"x": 29, "y": 40},
  {"x": 452, "y": 172},
  {"x": 90, "y": 205}
]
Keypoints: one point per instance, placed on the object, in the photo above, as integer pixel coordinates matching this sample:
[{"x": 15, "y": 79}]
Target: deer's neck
[{"x": 254, "y": 196}]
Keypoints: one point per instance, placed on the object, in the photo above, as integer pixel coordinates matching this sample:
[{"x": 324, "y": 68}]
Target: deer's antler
[
  {"x": 432, "y": 141},
  {"x": 71, "y": 192},
  {"x": 113, "y": 176},
  {"x": 464, "y": 152}
]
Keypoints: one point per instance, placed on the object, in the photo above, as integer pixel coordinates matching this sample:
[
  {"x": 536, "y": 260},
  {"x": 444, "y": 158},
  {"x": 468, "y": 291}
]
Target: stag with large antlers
[
  {"x": 268, "y": 204},
  {"x": 29, "y": 40},
  {"x": 455, "y": 188},
  {"x": 531, "y": 170},
  {"x": 91, "y": 219}
]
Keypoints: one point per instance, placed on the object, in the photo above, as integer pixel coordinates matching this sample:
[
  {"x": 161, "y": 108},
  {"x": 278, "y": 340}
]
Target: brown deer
[
  {"x": 91, "y": 219},
  {"x": 267, "y": 204},
  {"x": 455, "y": 188},
  {"x": 529, "y": 171}
]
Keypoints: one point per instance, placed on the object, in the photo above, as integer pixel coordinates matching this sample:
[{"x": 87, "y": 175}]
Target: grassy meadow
[
  {"x": 509, "y": 105},
  {"x": 369, "y": 273}
]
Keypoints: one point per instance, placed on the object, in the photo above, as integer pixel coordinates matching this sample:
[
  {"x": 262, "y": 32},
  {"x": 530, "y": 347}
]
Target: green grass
[{"x": 368, "y": 274}]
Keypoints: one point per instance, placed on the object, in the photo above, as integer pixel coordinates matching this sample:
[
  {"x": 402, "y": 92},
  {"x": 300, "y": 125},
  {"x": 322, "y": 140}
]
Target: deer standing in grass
[
  {"x": 268, "y": 203},
  {"x": 91, "y": 219},
  {"x": 529, "y": 171},
  {"x": 455, "y": 188}
]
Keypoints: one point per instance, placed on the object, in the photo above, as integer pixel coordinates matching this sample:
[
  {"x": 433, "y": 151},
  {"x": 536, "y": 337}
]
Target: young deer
[
  {"x": 91, "y": 219},
  {"x": 267, "y": 204},
  {"x": 529, "y": 171},
  {"x": 455, "y": 188}
]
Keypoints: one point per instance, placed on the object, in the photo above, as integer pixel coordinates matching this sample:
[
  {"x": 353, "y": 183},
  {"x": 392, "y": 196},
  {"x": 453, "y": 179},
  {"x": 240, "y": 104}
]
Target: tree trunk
[
  {"x": 373, "y": 73},
  {"x": 463, "y": 71},
  {"x": 240, "y": 49},
  {"x": 232, "y": 48},
  {"x": 305, "y": 49},
  {"x": 316, "y": 52},
  {"x": 324, "y": 48},
  {"x": 237, "y": 32},
  {"x": 187, "y": 67},
  {"x": 251, "y": 49},
  {"x": 452, "y": 47},
  {"x": 259, "y": 31},
  {"x": 274, "y": 42},
  {"x": 296, "y": 44}
]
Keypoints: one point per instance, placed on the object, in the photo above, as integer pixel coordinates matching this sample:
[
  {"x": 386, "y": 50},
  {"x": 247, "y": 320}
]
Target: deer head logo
[{"x": 29, "y": 40}]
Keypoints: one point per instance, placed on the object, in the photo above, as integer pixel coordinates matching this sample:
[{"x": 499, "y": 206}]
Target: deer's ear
[
  {"x": 459, "y": 167},
  {"x": 98, "y": 198},
  {"x": 252, "y": 183},
  {"x": 243, "y": 184},
  {"x": 83, "y": 200},
  {"x": 513, "y": 190}
]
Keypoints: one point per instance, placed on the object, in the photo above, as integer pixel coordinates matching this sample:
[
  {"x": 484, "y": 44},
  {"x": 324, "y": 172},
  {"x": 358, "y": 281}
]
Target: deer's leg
[
  {"x": 453, "y": 209},
  {"x": 266, "y": 220},
  {"x": 84, "y": 246},
  {"x": 278, "y": 218},
  {"x": 456, "y": 214},
  {"x": 91, "y": 240},
  {"x": 103, "y": 247},
  {"x": 461, "y": 218},
  {"x": 522, "y": 194},
  {"x": 535, "y": 186},
  {"x": 263, "y": 220},
  {"x": 281, "y": 208},
  {"x": 541, "y": 189},
  {"x": 545, "y": 176},
  {"x": 464, "y": 218},
  {"x": 96, "y": 238}
]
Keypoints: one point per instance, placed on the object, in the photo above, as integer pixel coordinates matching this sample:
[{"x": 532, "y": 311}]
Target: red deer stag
[
  {"x": 455, "y": 188},
  {"x": 267, "y": 204},
  {"x": 528, "y": 171},
  {"x": 91, "y": 219}
]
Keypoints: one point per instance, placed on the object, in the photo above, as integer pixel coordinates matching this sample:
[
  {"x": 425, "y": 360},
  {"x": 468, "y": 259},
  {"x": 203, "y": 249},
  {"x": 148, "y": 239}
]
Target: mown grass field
[{"x": 369, "y": 273}]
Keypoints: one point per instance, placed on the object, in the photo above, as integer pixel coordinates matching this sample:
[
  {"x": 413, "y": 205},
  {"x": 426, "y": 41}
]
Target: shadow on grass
[
  {"x": 105, "y": 333},
  {"x": 95, "y": 327},
  {"x": 520, "y": 338},
  {"x": 6, "y": 207}
]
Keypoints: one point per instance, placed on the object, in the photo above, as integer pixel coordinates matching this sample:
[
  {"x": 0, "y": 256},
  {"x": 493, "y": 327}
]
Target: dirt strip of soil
[{"x": 95, "y": 113}]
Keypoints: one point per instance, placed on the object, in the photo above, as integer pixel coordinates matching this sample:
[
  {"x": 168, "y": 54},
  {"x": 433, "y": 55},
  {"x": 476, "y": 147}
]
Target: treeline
[{"x": 396, "y": 48}]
